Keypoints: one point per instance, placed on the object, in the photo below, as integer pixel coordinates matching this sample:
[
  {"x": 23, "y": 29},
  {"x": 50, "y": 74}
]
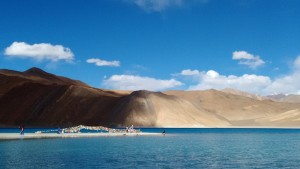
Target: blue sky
[{"x": 249, "y": 45}]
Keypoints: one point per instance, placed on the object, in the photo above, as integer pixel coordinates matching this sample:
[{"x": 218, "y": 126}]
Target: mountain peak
[
  {"x": 243, "y": 93},
  {"x": 34, "y": 70}
]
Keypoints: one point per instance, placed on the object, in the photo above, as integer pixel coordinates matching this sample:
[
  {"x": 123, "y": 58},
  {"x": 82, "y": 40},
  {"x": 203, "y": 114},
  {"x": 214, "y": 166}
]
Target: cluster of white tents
[{"x": 77, "y": 129}]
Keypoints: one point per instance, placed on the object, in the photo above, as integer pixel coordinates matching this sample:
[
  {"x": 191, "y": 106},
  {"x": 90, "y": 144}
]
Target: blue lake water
[{"x": 180, "y": 148}]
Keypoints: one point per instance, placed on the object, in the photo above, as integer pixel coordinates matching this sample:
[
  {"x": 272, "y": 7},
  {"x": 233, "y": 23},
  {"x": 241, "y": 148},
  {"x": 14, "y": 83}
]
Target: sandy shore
[{"x": 15, "y": 136}]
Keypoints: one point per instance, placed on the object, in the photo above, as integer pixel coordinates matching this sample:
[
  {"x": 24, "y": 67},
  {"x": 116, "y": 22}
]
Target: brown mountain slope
[
  {"x": 144, "y": 108},
  {"x": 41, "y": 99},
  {"x": 239, "y": 110},
  {"x": 37, "y": 98},
  {"x": 287, "y": 119},
  {"x": 241, "y": 93},
  {"x": 38, "y": 75},
  {"x": 292, "y": 98}
]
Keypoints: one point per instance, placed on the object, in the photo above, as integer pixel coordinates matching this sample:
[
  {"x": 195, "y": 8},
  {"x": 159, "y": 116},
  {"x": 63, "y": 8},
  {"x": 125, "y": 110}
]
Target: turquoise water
[{"x": 180, "y": 148}]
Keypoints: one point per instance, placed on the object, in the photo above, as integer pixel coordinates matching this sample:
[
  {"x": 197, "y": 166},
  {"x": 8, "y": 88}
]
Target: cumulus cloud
[
  {"x": 131, "y": 82},
  {"x": 257, "y": 84},
  {"x": 189, "y": 72},
  {"x": 247, "y": 59},
  {"x": 213, "y": 80},
  {"x": 287, "y": 84},
  {"x": 41, "y": 51},
  {"x": 157, "y": 5},
  {"x": 99, "y": 62}
]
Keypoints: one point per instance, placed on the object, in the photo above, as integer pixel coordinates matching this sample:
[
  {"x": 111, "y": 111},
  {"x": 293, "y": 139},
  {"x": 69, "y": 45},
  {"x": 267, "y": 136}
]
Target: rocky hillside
[{"x": 37, "y": 98}]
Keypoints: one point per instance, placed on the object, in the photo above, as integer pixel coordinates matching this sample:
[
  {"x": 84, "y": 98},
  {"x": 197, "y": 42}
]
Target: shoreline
[
  {"x": 208, "y": 127},
  {"x": 17, "y": 136},
  {"x": 145, "y": 127}
]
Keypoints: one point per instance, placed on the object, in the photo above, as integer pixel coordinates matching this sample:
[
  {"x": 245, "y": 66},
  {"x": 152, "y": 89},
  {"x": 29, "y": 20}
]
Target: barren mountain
[
  {"x": 144, "y": 108},
  {"x": 241, "y": 93},
  {"x": 37, "y": 98},
  {"x": 238, "y": 109},
  {"x": 292, "y": 98}
]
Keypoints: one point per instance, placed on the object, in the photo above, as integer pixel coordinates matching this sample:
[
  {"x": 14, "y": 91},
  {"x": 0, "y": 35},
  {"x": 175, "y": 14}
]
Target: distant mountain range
[
  {"x": 292, "y": 98},
  {"x": 37, "y": 98}
]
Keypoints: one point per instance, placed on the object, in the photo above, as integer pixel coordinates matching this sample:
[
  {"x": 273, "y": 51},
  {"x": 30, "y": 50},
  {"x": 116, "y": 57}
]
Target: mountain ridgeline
[{"x": 40, "y": 99}]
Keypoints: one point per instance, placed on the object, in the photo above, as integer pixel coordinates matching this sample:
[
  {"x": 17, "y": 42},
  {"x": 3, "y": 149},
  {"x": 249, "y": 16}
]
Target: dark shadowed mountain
[{"x": 37, "y": 98}]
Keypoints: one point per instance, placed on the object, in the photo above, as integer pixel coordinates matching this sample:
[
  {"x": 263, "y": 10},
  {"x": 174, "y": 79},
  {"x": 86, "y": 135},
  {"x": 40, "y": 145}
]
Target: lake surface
[{"x": 180, "y": 148}]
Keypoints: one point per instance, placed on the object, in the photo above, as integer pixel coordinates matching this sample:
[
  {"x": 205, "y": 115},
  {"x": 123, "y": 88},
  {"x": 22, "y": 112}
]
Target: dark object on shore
[
  {"x": 59, "y": 130},
  {"x": 164, "y": 132},
  {"x": 21, "y": 129}
]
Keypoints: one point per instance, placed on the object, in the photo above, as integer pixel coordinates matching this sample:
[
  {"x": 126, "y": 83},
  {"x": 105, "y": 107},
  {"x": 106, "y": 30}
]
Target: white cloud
[
  {"x": 157, "y": 5},
  {"x": 257, "y": 84},
  {"x": 189, "y": 72},
  {"x": 296, "y": 64},
  {"x": 247, "y": 59},
  {"x": 41, "y": 51},
  {"x": 131, "y": 82},
  {"x": 288, "y": 84},
  {"x": 100, "y": 62},
  {"x": 213, "y": 80},
  {"x": 163, "y": 5}
]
